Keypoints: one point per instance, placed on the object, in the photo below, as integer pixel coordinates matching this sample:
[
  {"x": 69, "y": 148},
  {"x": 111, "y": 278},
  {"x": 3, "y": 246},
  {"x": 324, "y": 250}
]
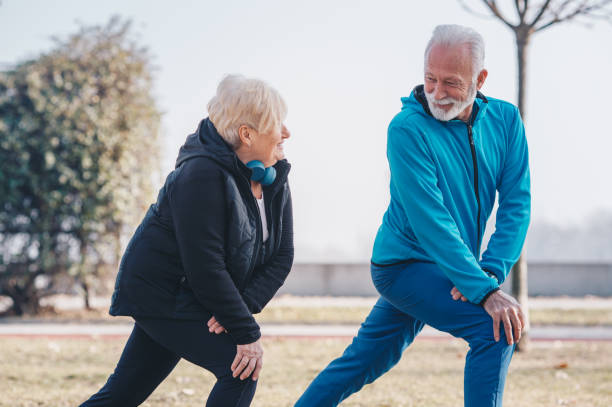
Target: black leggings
[{"x": 155, "y": 347}]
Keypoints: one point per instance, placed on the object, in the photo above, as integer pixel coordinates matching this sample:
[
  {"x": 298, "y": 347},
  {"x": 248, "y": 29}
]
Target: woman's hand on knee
[
  {"x": 248, "y": 361},
  {"x": 215, "y": 326}
]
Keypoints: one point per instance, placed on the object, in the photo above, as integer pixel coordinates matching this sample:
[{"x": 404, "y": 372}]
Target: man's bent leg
[
  {"x": 423, "y": 291},
  {"x": 480, "y": 387},
  {"x": 377, "y": 347}
]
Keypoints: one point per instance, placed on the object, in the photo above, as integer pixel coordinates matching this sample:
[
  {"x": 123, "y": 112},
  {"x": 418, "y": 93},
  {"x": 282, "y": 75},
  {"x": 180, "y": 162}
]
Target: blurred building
[{"x": 545, "y": 279}]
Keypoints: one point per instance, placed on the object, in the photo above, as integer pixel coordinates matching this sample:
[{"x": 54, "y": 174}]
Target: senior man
[{"x": 449, "y": 150}]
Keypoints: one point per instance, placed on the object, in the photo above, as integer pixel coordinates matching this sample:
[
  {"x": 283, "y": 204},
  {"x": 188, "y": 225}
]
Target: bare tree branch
[
  {"x": 564, "y": 5},
  {"x": 605, "y": 16},
  {"x": 559, "y": 10},
  {"x": 493, "y": 7},
  {"x": 467, "y": 8},
  {"x": 542, "y": 11},
  {"x": 584, "y": 9},
  {"x": 520, "y": 10}
]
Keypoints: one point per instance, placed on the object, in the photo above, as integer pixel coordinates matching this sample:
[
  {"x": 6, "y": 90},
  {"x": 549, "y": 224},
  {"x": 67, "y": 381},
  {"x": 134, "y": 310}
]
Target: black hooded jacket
[{"x": 199, "y": 250}]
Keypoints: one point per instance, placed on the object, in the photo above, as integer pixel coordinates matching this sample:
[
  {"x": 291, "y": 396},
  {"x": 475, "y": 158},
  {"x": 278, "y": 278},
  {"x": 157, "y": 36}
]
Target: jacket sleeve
[
  {"x": 271, "y": 276},
  {"x": 200, "y": 221},
  {"x": 513, "y": 213},
  {"x": 413, "y": 176}
]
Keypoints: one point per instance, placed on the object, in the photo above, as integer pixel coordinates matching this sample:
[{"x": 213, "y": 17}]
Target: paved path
[
  {"x": 18, "y": 327},
  {"x": 29, "y": 329}
]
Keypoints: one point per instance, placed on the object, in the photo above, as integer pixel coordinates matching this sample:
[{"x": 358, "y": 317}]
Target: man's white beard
[{"x": 458, "y": 106}]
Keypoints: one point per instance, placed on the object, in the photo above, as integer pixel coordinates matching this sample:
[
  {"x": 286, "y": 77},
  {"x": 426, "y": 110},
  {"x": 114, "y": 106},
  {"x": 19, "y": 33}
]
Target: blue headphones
[{"x": 261, "y": 174}]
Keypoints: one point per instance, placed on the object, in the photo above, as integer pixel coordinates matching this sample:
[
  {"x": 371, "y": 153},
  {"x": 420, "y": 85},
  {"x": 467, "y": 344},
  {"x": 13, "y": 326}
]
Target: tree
[
  {"x": 79, "y": 149},
  {"x": 532, "y": 18}
]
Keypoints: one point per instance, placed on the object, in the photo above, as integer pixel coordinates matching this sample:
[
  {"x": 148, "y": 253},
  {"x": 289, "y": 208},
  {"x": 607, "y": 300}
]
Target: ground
[
  {"x": 57, "y": 372},
  {"x": 63, "y": 372}
]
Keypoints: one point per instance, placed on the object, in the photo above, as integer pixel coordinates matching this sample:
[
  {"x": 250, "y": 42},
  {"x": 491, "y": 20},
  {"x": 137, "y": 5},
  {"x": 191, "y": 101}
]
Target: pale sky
[{"x": 342, "y": 67}]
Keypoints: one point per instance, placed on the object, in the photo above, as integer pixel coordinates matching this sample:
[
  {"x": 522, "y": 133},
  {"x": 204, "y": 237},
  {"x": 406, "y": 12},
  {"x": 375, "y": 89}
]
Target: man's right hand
[
  {"x": 249, "y": 359},
  {"x": 504, "y": 308}
]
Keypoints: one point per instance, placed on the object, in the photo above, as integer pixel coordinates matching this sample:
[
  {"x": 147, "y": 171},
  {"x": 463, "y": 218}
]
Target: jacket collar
[
  {"x": 478, "y": 109},
  {"x": 207, "y": 142}
]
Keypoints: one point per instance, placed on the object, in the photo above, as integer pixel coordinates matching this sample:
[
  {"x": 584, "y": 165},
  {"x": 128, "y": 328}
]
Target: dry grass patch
[
  {"x": 63, "y": 372},
  {"x": 336, "y": 314},
  {"x": 579, "y": 317}
]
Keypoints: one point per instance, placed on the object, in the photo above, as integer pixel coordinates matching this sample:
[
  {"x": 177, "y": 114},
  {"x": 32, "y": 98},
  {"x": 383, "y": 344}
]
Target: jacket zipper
[
  {"x": 258, "y": 232},
  {"x": 475, "y": 162},
  {"x": 258, "y": 226}
]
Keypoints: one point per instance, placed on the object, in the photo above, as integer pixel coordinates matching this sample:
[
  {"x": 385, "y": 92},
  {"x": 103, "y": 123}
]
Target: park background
[{"x": 342, "y": 67}]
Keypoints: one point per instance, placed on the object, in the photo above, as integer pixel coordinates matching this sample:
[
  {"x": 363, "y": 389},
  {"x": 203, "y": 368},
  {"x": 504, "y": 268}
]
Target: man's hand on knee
[{"x": 505, "y": 309}]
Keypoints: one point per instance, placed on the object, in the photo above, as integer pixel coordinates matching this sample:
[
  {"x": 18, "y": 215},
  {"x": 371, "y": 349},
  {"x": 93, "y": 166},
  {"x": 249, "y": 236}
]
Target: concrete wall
[{"x": 546, "y": 279}]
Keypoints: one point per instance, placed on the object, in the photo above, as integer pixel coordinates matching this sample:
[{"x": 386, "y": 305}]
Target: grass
[
  {"x": 346, "y": 315},
  {"x": 581, "y": 317},
  {"x": 63, "y": 372},
  {"x": 356, "y": 314}
]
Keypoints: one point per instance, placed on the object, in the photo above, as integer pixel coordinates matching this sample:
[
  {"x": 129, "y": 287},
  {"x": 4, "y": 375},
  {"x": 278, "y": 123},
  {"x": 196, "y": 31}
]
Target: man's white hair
[
  {"x": 245, "y": 101},
  {"x": 451, "y": 35}
]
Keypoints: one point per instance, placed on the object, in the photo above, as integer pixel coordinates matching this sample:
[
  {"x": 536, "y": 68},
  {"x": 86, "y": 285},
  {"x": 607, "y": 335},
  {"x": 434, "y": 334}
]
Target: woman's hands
[
  {"x": 249, "y": 359},
  {"x": 215, "y": 326}
]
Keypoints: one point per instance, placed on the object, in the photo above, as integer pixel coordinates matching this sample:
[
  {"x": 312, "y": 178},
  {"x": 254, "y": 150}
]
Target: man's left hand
[{"x": 456, "y": 294}]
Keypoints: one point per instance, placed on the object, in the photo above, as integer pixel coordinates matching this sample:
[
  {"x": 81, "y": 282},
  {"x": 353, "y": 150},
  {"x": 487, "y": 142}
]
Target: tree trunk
[
  {"x": 118, "y": 246},
  {"x": 24, "y": 296},
  {"x": 86, "y": 295},
  {"x": 519, "y": 270},
  {"x": 519, "y": 291},
  {"x": 84, "y": 272},
  {"x": 522, "y": 43}
]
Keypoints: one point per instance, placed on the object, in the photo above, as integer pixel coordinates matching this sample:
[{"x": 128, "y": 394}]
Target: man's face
[{"x": 449, "y": 85}]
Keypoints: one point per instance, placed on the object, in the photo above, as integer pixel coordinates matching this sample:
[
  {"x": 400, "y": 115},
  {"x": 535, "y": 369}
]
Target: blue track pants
[{"x": 413, "y": 295}]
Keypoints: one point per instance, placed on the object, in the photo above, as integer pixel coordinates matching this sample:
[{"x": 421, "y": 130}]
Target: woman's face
[{"x": 268, "y": 147}]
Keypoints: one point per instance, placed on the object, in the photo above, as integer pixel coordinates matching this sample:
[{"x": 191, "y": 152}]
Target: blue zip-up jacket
[{"x": 444, "y": 176}]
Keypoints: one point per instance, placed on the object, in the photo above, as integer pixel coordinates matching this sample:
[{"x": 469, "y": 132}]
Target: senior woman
[{"x": 210, "y": 253}]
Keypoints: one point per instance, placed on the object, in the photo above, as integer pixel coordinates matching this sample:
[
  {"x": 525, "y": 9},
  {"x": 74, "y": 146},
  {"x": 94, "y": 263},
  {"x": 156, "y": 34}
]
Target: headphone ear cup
[
  {"x": 261, "y": 174},
  {"x": 258, "y": 171},
  {"x": 269, "y": 177}
]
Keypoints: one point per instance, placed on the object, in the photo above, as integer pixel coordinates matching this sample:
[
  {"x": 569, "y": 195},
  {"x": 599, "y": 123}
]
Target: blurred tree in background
[{"x": 79, "y": 150}]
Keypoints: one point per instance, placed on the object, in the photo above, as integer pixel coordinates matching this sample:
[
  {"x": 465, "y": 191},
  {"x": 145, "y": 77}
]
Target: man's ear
[
  {"x": 246, "y": 135},
  {"x": 482, "y": 76}
]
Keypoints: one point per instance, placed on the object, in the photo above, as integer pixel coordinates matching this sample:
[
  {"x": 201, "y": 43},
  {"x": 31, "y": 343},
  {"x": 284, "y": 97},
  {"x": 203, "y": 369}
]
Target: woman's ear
[{"x": 245, "y": 135}]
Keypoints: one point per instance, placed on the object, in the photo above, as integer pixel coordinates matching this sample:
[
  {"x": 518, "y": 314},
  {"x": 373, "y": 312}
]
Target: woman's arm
[
  {"x": 271, "y": 276},
  {"x": 200, "y": 221}
]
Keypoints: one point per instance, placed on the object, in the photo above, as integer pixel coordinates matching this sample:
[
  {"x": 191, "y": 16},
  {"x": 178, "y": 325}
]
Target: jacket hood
[
  {"x": 418, "y": 102},
  {"x": 207, "y": 142}
]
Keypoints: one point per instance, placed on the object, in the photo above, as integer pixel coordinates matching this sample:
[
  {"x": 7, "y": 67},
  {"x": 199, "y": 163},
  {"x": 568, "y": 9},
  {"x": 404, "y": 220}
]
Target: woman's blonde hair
[{"x": 245, "y": 101}]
